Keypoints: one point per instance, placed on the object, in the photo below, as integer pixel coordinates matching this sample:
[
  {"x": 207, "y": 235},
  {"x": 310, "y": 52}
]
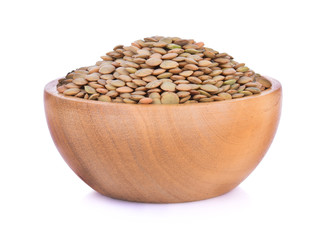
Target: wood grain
[{"x": 163, "y": 153}]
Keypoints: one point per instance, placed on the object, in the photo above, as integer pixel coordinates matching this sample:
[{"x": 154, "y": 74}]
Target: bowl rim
[{"x": 50, "y": 88}]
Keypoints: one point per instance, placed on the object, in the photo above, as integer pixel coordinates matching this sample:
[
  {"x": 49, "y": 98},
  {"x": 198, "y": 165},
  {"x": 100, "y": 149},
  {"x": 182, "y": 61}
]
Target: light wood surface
[{"x": 163, "y": 153}]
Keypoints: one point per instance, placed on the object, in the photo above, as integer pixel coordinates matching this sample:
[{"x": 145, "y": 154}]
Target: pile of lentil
[{"x": 163, "y": 70}]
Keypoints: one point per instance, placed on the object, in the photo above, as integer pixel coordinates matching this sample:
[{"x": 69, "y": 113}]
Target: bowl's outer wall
[{"x": 165, "y": 153}]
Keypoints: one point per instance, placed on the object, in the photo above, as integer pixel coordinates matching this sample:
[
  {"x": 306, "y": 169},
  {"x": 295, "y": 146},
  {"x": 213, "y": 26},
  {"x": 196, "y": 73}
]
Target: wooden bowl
[{"x": 163, "y": 153}]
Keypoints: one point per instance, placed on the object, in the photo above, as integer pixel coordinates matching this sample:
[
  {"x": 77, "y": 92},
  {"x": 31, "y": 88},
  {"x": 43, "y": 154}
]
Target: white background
[{"x": 41, "y": 198}]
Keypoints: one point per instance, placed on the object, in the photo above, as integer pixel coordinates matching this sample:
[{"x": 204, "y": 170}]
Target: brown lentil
[{"x": 163, "y": 70}]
